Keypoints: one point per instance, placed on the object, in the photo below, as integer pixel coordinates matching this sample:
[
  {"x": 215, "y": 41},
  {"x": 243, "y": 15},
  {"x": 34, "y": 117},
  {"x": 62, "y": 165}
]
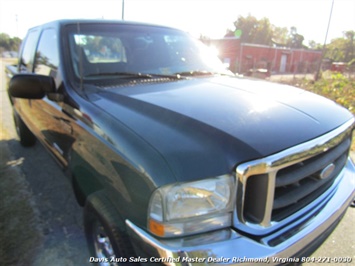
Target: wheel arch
[
  {"x": 100, "y": 211},
  {"x": 84, "y": 184}
]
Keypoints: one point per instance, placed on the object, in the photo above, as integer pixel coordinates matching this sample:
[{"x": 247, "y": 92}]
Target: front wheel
[{"x": 105, "y": 234}]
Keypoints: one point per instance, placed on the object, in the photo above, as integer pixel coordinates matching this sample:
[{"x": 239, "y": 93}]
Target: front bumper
[{"x": 229, "y": 247}]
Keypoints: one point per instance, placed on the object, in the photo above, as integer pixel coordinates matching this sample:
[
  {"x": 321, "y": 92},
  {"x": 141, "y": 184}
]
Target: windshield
[{"x": 124, "y": 50}]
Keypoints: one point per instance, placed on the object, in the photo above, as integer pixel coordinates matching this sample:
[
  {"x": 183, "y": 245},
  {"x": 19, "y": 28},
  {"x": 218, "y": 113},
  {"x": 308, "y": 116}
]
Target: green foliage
[
  {"x": 334, "y": 86},
  {"x": 263, "y": 32},
  {"x": 342, "y": 49},
  {"x": 253, "y": 30},
  {"x": 295, "y": 40},
  {"x": 314, "y": 45},
  {"x": 280, "y": 35},
  {"x": 9, "y": 44}
]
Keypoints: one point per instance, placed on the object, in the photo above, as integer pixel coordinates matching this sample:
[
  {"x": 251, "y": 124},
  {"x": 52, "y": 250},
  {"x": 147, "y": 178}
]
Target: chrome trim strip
[
  {"x": 271, "y": 164},
  {"x": 270, "y": 199}
]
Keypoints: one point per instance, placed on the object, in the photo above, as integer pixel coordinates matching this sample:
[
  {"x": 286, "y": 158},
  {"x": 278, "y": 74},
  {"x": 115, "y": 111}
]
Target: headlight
[{"x": 194, "y": 207}]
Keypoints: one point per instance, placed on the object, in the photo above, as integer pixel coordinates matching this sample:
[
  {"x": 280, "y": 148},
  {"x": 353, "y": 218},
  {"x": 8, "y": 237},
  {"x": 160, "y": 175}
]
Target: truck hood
[{"x": 206, "y": 126}]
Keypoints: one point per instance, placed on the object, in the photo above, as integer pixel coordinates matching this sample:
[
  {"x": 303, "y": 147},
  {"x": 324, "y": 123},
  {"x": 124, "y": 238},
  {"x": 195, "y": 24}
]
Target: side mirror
[{"x": 31, "y": 86}]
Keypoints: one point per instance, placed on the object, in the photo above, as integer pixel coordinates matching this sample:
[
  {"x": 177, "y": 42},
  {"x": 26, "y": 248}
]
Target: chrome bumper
[{"x": 229, "y": 247}]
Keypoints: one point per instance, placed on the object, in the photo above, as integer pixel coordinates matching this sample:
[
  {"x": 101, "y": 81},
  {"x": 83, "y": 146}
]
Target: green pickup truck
[{"x": 175, "y": 159}]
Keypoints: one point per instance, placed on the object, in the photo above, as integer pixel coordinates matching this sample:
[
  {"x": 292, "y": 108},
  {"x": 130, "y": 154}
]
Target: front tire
[
  {"x": 27, "y": 138},
  {"x": 105, "y": 231}
]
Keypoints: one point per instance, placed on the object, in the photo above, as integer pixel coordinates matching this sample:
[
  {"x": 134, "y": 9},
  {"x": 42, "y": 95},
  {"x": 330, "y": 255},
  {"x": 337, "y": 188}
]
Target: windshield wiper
[
  {"x": 129, "y": 74},
  {"x": 134, "y": 75},
  {"x": 197, "y": 73}
]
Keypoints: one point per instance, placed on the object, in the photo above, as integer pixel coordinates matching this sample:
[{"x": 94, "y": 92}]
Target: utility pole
[
  {"x": 122, "y": 9},
  {"x": 317, "y": 76}
]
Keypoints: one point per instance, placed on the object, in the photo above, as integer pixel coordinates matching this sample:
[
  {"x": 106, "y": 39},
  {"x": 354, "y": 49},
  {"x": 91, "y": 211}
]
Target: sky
[{"x": 199, "y": 17}]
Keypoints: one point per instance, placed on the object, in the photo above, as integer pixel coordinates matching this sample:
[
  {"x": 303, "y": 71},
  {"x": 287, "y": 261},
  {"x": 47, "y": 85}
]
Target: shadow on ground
[{"x": 41, "y": 222}]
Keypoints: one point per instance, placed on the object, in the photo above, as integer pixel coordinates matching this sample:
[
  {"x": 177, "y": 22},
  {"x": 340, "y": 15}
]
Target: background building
[{"x": 245, "y": 58}]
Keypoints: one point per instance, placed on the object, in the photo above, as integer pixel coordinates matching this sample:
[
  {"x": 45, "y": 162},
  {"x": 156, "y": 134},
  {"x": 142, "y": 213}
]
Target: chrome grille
[
  {"x": 299, "y": 184},
  {"x": 276, "y": 187}
]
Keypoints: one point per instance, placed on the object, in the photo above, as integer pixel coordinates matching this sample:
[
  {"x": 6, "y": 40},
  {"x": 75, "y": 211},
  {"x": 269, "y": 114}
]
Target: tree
[
  {"x": 314, "y": 45},
  {"x": 335, "y": 50},
  {"x": 263, "y": 32},
  {"x": 253, "y": 30},
  {"x": 9, "y": 44},
  {"x": 15, "y": 43},
  {"x": 350, "y": 46},
  {"x": 280, "y": 36},
  {"x": 295, "y": 40},
  {"x": 342, "y": 49},
  {"x": 5, "y": 41}
]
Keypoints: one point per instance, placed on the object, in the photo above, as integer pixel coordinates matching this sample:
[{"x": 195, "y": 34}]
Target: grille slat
[
  {"x": 311, "y": 181},
  {"x": 297, "y": 172},
  {"x": 309, "y": 186},
  {"x": 276, "y": 187}
]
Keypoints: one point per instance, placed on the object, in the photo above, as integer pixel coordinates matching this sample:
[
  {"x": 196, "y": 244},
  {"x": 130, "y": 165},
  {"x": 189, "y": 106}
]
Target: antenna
[{"x": 122, "y": 9}]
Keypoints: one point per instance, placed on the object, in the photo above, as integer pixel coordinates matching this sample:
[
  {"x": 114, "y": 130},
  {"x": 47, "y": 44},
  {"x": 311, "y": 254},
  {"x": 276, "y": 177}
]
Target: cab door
[
  {"x": 55, "y": 127},
  {"x": 22, "y": 107}
]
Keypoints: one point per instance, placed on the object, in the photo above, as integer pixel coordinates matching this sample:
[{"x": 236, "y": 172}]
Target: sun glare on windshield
[{"x": 139, "y": 49}]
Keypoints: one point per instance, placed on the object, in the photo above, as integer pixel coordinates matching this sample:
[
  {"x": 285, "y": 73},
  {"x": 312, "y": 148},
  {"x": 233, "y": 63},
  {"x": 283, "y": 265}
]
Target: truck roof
[{"x": 64, "y": 22}]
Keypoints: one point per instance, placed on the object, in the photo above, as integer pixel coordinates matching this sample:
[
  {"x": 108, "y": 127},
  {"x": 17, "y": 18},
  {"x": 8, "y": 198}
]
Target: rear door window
[{"x": 27, "y": 56}]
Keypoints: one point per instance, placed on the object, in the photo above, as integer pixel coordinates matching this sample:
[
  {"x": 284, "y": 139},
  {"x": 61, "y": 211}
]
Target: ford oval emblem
[{"x": 327, "y": 171}]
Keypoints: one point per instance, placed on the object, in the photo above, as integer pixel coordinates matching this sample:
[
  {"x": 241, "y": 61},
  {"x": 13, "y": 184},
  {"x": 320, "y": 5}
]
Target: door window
[
  {"x": 26, "y": 62},
  {"x": 47, "y": 56}
]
